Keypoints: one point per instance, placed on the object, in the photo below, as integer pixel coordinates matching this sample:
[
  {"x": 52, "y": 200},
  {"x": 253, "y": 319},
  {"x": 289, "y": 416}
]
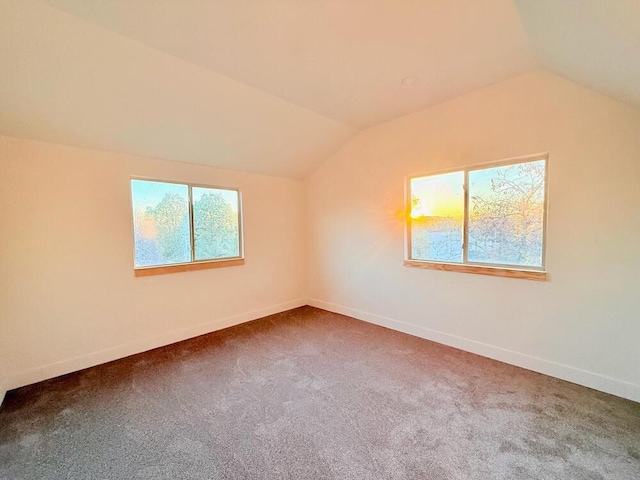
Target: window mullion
[
  {"x": 192, "y": 232},
  {"x": 465, "y": 219}
]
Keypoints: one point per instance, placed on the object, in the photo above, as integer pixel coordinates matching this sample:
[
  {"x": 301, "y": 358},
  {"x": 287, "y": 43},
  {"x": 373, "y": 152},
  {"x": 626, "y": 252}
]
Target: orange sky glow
[{"x": 438, "y": 195}]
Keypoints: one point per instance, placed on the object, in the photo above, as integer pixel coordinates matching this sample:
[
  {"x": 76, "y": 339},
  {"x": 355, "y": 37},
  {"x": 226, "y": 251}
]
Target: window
[
  {"x": 179, "y": 227},
  {"x": 489, "y": 219}
]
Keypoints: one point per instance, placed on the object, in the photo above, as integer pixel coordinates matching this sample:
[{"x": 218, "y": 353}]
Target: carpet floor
[{"x": 308, "y": 394}]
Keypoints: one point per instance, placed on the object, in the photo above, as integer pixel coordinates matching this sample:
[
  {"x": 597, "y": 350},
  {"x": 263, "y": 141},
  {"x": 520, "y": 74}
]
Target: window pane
[
  {"x": 437, "y": 211},
  {"x": 160, "y": 223},
  {"x": 506, "y": 214},
  {"x": 215, "y": 223}
]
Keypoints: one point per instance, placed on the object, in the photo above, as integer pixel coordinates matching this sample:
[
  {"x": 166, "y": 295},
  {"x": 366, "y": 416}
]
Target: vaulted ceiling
[
  {"x": 593, "y": 42},
  {"x": 276, "y": 86}
]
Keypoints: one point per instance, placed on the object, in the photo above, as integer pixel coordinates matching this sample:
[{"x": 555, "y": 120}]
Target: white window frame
[
  {"x": 193, "y": 264},
  {"x": 466, "y": 266}
]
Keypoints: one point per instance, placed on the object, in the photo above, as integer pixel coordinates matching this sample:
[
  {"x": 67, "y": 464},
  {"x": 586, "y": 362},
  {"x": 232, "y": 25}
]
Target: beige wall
[
  {"x": 68, "y": 297},
  {"x": 583, "y": 324}
]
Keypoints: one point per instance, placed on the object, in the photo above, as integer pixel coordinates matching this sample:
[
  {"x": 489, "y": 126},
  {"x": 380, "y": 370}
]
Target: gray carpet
[{"x": 308, "y": 394}]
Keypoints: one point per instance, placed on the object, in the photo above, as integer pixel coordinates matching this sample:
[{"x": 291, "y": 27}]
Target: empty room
[{"x": 319, "y": 239}]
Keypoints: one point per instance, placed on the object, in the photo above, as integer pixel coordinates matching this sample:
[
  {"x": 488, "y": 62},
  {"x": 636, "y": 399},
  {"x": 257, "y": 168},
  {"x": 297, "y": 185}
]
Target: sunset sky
[
  {"x": 443, "y": 195},
  {"x": 439, "y": 195}
]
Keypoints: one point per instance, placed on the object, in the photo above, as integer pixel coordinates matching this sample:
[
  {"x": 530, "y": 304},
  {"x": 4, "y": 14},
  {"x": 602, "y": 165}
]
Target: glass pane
[
  {"x": 160, "y": 223},
  {"x": 506, "y": 214},
  {"x": 437, "y": 211},
  {"x": 215, "y": 223}
]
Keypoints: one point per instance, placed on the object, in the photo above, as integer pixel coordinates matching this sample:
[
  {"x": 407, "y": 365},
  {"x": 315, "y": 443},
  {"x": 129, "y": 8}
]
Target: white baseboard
[
  {"x": 603, "y": 383},
  {"x": 3, "y": 391},
  {"x": 596, "y": 381},
  {"x": 78, "y": 363}
]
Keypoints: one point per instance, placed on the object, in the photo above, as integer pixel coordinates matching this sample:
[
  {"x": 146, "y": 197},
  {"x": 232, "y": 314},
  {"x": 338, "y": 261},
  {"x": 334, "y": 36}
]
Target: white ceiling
[
  {"x": 276, "y": 86},
  {"x": 342, "y": 59},
  {"x": 67, "y": 81},
  {"x": 595, "y": 43}
]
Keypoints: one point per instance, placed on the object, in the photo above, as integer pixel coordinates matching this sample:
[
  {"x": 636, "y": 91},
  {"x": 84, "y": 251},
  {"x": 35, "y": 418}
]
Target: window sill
[
  {"x": 481, "y": 270},
  {"x": 187, "y": 267}
]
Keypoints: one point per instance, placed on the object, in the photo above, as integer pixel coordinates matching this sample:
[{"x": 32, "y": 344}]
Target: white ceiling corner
[{"x": 594, "y": 43}]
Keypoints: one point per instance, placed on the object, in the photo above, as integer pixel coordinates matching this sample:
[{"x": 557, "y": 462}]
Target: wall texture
[
  {"x": 68, "y": 296},
  {"x": 582, "y": 325}
]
